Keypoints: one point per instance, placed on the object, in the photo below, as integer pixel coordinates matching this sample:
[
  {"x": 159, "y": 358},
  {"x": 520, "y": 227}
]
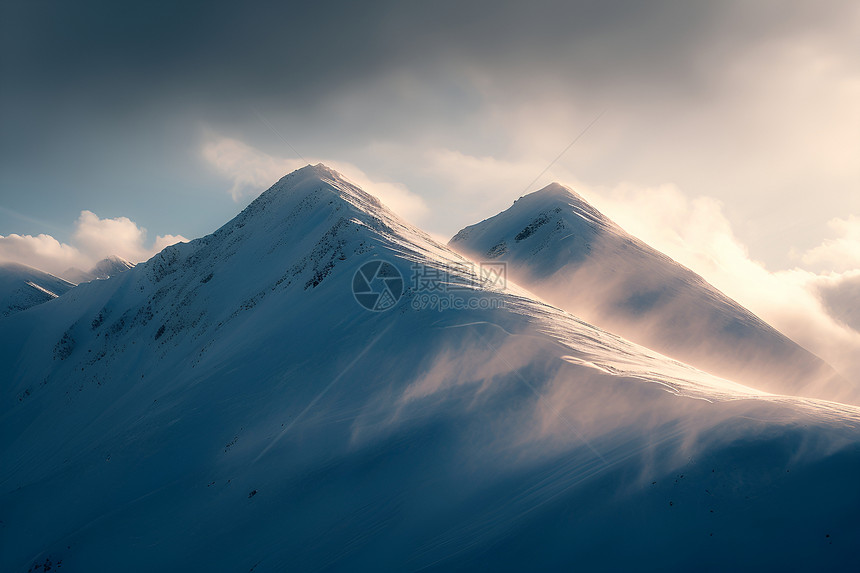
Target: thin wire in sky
[
  {"x": 38, "y": 222},
  {"x": 565, "y": 150},
  {"x": 277, "y": 133}
]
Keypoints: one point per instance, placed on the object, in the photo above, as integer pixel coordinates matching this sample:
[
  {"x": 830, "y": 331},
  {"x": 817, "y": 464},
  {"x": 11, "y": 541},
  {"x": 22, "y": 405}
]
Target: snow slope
[
  {"x": 229, "y": 406},
  {"x": 571, "y": 255},
  {"x": 105, "y": 268},
  {"x": 22, "y": 287}
]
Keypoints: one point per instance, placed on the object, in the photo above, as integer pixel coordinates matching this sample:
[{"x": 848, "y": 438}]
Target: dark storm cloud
[
  {"x": 218, "y": 50},
  {"x": 108, "y": 54},
  {"x": 79, "y": 74},
  {"x": 93, "y": 90},
  {"x": 107, "y": 62},
  {"x": 68, "y": 66}
]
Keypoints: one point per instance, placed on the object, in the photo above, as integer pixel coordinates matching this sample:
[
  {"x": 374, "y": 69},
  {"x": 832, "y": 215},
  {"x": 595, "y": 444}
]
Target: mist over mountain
[
  {"x": 843, "y": 301},
  {"x": 571, "y": 255},
  {"x": 318, "y": 385}
]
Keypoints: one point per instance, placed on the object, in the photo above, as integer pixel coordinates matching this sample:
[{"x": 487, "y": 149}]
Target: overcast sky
[{"x": 723, "y": 123}]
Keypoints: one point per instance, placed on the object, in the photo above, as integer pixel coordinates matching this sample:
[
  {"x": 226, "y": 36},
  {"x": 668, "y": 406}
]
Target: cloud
[
  {"x": 40, "y": 251},
  {"x": 840, "y": 254},
  {"x": 840, "y": 293},
  {"x": 119, "y": 236},
  {"x": 252, "y": 171},
  {"x": 162, "y": 241},
  {"x": 92, "y": 240}
]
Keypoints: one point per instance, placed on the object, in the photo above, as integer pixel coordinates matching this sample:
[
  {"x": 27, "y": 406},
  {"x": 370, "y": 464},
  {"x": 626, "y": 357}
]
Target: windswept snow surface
[
  {"x": 229, "y": 406},
  {"x": 22, "y": 287},
  {"x": 568, "y": 253}
]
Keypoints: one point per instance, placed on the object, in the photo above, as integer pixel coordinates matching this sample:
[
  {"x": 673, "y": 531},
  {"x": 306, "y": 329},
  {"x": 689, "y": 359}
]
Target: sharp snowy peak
[
  {"x": 571, "y": 255},
  {"x": 105, "y": 268},
  {"x": 230, "y": 405},
  {"x": 22, "y": 287}
]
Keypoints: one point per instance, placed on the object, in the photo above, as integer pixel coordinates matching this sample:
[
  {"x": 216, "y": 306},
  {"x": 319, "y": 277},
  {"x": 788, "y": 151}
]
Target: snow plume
[
  {"x": 531, "y": 404},
  {"x": 252, "y": 171},
  {"x": 93, "y": 239},
  {"x": 696, "y": 233}
]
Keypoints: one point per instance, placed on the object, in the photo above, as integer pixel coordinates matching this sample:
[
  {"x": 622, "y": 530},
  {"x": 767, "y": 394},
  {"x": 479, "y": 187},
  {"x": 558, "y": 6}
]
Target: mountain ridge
[
  {"x": 230, "y": 403},
  {"x": 567, "y": 252}
]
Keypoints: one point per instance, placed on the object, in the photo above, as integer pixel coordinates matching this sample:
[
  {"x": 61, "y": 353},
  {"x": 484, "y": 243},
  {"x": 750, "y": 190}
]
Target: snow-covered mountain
[
  {"x": 110, "y": 266},
  {"x": 22, "y": 287},
  {"x": 231, "y": 405},
  {"x": 571, "y": 255},
  {"x": 105, "y": 268}
]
